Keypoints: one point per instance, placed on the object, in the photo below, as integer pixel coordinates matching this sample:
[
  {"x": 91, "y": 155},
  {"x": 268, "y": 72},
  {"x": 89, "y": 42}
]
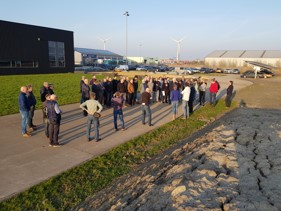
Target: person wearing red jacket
[{"x": 214, "y": 88}]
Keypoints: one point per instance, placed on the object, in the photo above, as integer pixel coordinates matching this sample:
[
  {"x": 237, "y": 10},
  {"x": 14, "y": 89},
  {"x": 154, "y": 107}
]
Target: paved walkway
[{"x": 26, "y": 162}]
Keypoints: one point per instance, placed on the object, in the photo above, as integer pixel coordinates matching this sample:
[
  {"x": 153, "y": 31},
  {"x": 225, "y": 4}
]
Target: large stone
[{"x": 178, "y": 190}]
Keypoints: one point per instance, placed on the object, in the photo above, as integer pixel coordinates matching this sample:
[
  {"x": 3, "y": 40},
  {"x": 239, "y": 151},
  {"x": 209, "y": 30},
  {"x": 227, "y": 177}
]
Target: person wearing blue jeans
[
  {"x": 213, "y": 91},
  {"x": 117, "y": 103},
  {"x": 175, "y": 97},
  {"x": 145, "y": 106},
  {"x": 92, "y": 106},
  {"x": 24, "y": 116},
  {"x": 185, "y": 98},
  {"x": 95, "y": 121},
  {"x": 24, "y": 110}
]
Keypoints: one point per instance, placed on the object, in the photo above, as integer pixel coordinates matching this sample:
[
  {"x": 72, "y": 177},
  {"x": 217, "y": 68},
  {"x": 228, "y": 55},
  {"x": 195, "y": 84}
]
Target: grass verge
[
  {"x": 68, "y": 189},
  {"x": 66, "y": 87}
]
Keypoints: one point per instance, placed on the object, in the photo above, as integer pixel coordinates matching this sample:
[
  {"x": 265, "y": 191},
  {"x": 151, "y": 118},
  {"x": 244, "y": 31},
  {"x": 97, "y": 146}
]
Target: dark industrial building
[{"x": 27, "y": 49}]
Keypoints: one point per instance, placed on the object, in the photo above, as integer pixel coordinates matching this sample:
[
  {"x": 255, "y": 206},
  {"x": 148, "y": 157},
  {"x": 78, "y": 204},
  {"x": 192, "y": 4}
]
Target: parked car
[
  {"x": 89, "y": 69},
  {"x": 133, "y": 67},
  {"x": 250, "y": 74},
  {"x": 266, "y": 73},
  {"x": 141, "y": 68},
  {"x": 227, "y": 70},
  {"x": 205, "y": 70},
  {"x": 120, "y": 68},
  {"x": 195, "y": 70},
  {"x": 184, "y": 71},
  {"x": 151, "y": 69},
  {"x": 232, "y": 71},
  {"x": 236, "y": 71},
  {"x": 219, "y": 70},
  {"x": 163, "y": 68}
]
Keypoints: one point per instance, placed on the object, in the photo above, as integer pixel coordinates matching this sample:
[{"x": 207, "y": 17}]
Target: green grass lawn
[
  {"x": 66, "y": 88},
  {"x": 70, "y": 188}
]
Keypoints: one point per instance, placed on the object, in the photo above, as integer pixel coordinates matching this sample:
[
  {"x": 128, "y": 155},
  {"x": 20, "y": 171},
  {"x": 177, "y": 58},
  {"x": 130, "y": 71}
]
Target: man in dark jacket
[
  {"x": 44, "y": 90},
  {"x": 191, "y": 98},
  {"x": 32, "y": 102},
  {"x": 54, "y": 116},
  {"x": 122, "y": 89},
  {"x": 114, "y": 84},
  {"x": 145, "y": 106},
  {"x": 136, "y": 86},
  {"x": 24, "y": 110}
]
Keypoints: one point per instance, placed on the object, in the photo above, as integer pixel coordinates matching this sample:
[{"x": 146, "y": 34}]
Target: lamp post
[{"x": 126, "y": 14}]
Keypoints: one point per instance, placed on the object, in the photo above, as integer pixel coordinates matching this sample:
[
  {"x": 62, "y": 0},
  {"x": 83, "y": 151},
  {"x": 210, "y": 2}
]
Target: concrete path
[{"x": 25, "y": 162}]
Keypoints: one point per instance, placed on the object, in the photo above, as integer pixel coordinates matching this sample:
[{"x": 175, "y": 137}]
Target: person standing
[
  {"x": 81, "y": 83},
  {"x": 213, "y": 91},
  {"x": 136, "y": 86},
  {"x": 165, "y": 92},
  {"x": 145, "y": 106},
  {"x": 45, "y": 115},
  {"x": 32, "y": 102},
  {"x": 131, "y": 91},
  {"x": 150, "y": 85},
  {"x": 85, "y": 93},
  {"x": 114, "y": 84},
  {"x": 24, "y": 110},
  {"x": 122, "y": 89},
  {"x": 93, "y": 80},
  {"x": 54, "y": 116},
  {"x": 229, "y": 92},
  {"x": 175, "y": 97},
  {"x": 96, "y": 88},
  {"x": 202, "y": 92},
  {"x": 108, "y": 92},
  {"x": 92, "y": 106},
  {"x": 117, "y": 102},
  {"x": 126, "y": 81},
  {"x": 185, "y": 98},
  {"x": 45, "y": 89},
  {"x": 191, "y": 98}
]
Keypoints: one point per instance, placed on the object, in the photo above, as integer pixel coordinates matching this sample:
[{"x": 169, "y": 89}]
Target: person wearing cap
[
  {"x": 145, "y": 106},
  {"x": 92, "y": 106}
]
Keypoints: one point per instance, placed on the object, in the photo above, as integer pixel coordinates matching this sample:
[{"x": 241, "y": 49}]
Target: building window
[
  {"x": 5, "y": 64},
  {"x": 19, "y": 64},
  {"x": 56, "y": 54}
]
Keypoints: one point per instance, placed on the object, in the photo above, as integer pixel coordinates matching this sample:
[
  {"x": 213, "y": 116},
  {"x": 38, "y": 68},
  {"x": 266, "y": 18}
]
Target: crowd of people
[{"x": 116, "y": 94}]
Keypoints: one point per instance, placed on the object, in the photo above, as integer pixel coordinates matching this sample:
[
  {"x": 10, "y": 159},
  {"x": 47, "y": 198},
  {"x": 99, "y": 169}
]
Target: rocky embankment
[{"x": 236, "y": 165}]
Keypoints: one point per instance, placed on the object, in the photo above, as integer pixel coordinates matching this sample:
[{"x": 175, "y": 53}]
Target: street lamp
[{"x": 126, "y": 14}]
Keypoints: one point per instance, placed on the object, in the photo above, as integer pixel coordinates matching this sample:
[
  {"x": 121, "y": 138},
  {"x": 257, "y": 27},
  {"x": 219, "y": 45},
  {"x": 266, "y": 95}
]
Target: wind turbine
[
  {"x": 104, "y": 41},
  {"x": 178, "y": 46}
]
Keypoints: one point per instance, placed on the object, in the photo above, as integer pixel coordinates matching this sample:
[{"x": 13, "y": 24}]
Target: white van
[{"x": 122, "y": 68}]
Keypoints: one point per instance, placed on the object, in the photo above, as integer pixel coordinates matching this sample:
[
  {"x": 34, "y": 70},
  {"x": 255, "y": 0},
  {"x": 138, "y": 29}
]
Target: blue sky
[{"x": 207, "y": 25}]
